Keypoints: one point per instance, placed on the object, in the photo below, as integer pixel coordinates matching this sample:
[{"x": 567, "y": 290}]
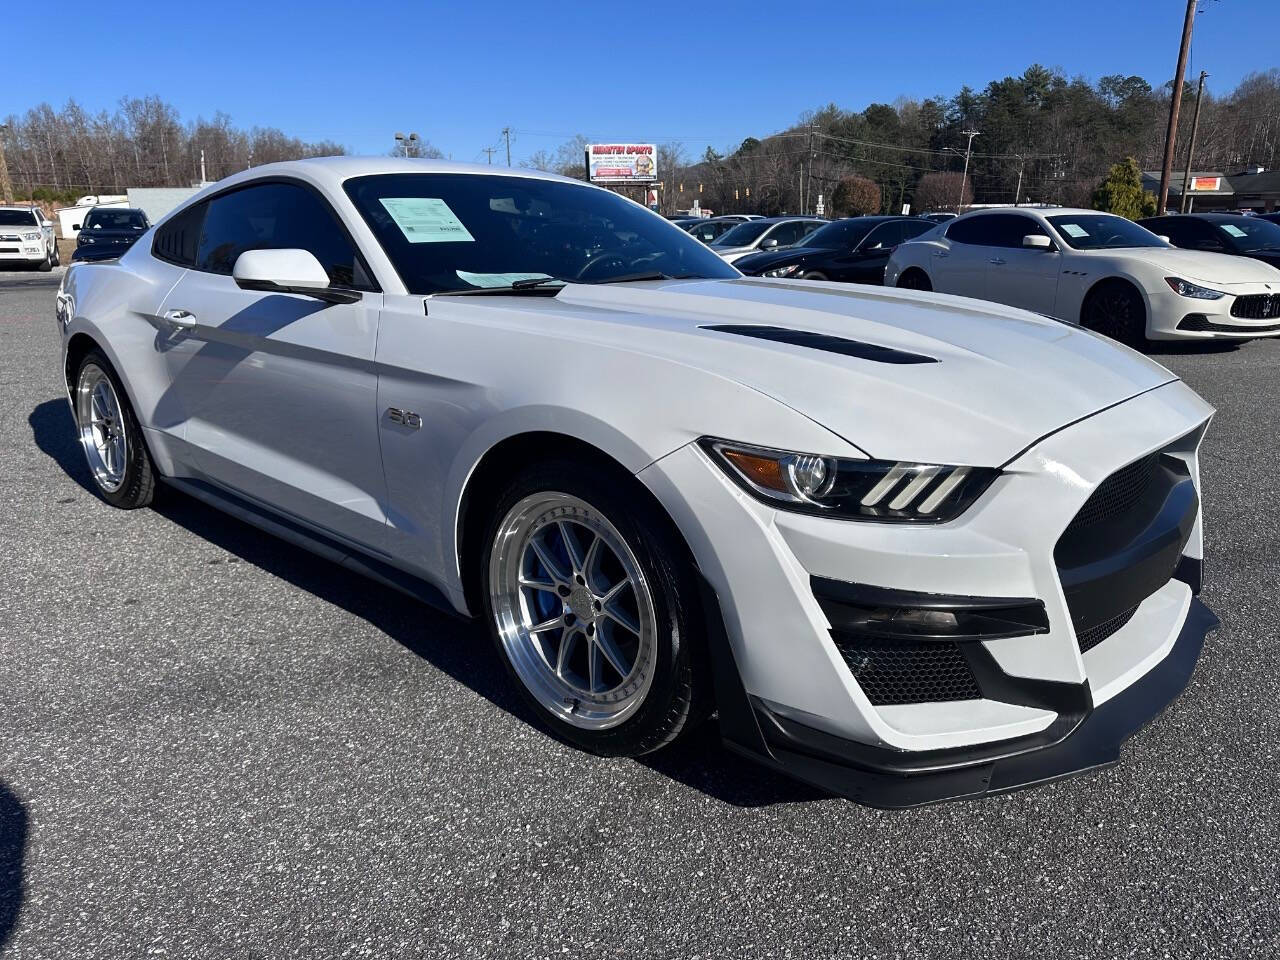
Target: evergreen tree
[{"x": 1121, "y": 192}]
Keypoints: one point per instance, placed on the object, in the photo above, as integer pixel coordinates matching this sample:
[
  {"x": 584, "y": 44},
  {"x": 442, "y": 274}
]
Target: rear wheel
[
  {"x": 914, "y": 279},
  {"x": 57, "y": 255},
  {"x": 110, "y": 435},
  {"x": 591, "y": 606},
  {"x": 1115, "y": 309}
]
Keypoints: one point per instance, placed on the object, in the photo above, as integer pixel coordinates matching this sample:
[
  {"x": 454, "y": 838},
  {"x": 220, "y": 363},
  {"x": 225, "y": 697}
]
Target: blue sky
[{"x": 702, "y": 73}]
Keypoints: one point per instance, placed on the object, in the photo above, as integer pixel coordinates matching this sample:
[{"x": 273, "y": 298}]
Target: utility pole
[
  {"x": 506, "y": 135},
  {"x": 1184, "y": 206},
  {"x": 6, "y": 188},
  {"x": 1175, "y": 104},
  {"x": 488, "y": 151},
  {"x": 964, "y": 179},
  {"x": 203, "y": 181},
  {"x": 1017, "y": 193}
]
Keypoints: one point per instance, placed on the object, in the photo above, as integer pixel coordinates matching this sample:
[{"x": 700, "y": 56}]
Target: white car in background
[
  {"x": 910, "y": 548},
  {"x": 26, "y": 237},
  {"x": 763, "y": 233},
  {"x": 1096, "y": 269}
]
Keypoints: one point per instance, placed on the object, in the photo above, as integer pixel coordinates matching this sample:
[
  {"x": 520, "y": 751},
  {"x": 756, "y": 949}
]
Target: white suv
[{"x": 26, "y": 236}]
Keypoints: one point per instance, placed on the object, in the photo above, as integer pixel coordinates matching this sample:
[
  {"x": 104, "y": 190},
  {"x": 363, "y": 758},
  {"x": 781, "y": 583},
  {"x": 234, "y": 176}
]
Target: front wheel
[
  {"x": 45, "y": 265},
  {"x": 1115, "y": 309},
  {"x": 110, "y": 435},
  {"x": 814, "y": 275},
  {"x": 593, "y": 609}
]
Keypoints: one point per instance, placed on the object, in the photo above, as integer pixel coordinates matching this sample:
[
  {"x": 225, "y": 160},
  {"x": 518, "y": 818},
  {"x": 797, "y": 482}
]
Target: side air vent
[{"x": 823, "y": 341}]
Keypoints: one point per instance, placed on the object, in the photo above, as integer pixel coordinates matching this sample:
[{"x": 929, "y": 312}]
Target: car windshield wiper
[
  {"x": 651, "y": 275},
  {"x": 534, "y": 286}
]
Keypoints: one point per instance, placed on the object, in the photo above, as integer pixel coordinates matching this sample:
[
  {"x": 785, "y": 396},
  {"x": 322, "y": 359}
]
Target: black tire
[
  {"x": 1115, "y": 309},
  {"x": 138, "y": 485},
  {"x": 814, "y": 275},
  {"x": 57, "y": 255},
  {"x": 679, "y": 697},
  {"x": 914, "y": 279},
  {"x": 46, "y": 264}
]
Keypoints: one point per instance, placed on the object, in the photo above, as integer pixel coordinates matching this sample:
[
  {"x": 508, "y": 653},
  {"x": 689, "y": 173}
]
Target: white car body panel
[
  {"x": 1055, "y": 282},
  {"x": 18, "y": 243},
  {"x": 282, "y": 401}
]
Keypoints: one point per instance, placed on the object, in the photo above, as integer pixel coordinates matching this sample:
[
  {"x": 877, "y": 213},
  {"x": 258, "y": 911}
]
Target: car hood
[
  {"x": 757, "y": 262},
  {"x": 1211, "y": 269},
  {"x": 1271, "y": 257},
  {"x": 1004, "y": 378}
]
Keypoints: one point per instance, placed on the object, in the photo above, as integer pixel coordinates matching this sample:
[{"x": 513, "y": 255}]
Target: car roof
[{"x": 1211, "y": 217}]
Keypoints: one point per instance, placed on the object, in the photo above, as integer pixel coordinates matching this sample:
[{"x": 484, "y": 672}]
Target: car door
[
  {"x": 1025, "y": 277},
  {"x": 785, "y": 234},
  {"x": 871, "y": 256},
  {"x": 961, "y": 267},
  {"x": 279, "y": 391}
]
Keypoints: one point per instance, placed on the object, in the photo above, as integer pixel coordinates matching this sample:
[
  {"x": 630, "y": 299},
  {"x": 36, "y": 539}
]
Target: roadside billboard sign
[{"x": 622, "y": 162}]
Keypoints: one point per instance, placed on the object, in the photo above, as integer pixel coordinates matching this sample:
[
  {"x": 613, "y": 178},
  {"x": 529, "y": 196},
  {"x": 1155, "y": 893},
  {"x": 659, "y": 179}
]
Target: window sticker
[
  {"x": 497, "y": 279},
  {"x": 426, "y": 220},
  {"x": 1232, "y": 229},
  {"x": 1074, "y": 230}
]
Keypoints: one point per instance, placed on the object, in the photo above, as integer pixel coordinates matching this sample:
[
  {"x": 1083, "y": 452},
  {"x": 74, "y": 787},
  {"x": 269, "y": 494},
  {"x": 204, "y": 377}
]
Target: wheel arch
[
  {"x": 490, "y": 473},
  {"x": 1111, "y": 279}
]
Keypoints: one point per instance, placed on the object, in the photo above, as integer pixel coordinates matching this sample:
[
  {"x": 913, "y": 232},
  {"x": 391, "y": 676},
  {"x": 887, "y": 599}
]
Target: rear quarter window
[{"x": 178, "y": 239}]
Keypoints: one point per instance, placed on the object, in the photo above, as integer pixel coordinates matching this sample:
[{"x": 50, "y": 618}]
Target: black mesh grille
[
  {"x": 1116, "y": 494},
  {"x": 1257, "y": 306},
  {"x": 1199, "y": 323},
  {"x": 901, "y": 672},
  {"x": 1090, "y": 638}
]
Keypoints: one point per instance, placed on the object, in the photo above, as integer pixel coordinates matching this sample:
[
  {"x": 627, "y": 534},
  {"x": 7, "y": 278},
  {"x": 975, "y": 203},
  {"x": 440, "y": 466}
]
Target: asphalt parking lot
[{"x": 214, "y": 745}]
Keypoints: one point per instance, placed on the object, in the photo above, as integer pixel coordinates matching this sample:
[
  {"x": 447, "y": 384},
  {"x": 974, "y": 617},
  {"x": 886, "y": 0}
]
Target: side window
[
  {"x": 275, "y": 216},
  {"x": 1175, "y": 230},
  {"x": 976, "y": 230},
  {"x": 887, "y": 235},
  {"x": 1206, "y": 236},
  {"x": 913, "y": 228},
  {"x": 179, "y": 238},
  {"x": 785, "y": 233}
]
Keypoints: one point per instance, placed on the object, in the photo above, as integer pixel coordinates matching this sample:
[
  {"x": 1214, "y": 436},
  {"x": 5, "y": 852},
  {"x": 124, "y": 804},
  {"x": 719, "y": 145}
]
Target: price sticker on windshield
[
  {"x": 1074, "y": 230},
  {"x": 426, "y": 220}
]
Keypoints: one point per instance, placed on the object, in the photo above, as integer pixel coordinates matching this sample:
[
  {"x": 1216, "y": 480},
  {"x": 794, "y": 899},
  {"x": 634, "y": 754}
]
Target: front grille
[
  {"x": 902, "y": 672},
  {"x": 1090, "y": 638},
  {"x": 10, "y": 237},
  {"x": 1199, "y": 323},
  {"x": 1115, "y": 496},
  {"x": 1257, "y": 306}
]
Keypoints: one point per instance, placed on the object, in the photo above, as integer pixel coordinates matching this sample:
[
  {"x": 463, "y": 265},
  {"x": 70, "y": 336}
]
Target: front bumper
[
  {"x": 797, "y": 684},
  {"x": 26, "y": 253},
  {"x": 1173, "y": 317}
]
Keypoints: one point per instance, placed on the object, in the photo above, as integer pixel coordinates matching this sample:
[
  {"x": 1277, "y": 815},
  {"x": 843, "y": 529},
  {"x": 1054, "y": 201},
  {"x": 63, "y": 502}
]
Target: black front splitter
[{"x": 880, "y": 777}]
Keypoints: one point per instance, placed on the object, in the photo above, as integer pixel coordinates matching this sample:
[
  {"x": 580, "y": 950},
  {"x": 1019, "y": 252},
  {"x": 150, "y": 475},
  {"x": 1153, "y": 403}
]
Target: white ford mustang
[
  {"x": 909, "y": 547},
  {"x": 1096, "y": 269}
]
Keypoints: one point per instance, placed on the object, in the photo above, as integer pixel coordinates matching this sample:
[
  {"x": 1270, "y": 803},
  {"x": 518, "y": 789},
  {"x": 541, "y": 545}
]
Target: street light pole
[
  {"x": 964, "y": 179},
  {"x": 1184, "y": 205}
]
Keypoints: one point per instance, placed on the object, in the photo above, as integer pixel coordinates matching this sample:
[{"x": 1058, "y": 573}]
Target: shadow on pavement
[
  {"x": 458, "y": 647},
  {"x": 13, "y": 845}
]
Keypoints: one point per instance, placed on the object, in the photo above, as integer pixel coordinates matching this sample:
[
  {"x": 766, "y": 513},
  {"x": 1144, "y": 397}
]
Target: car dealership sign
[{"x": 622, "y": 162}]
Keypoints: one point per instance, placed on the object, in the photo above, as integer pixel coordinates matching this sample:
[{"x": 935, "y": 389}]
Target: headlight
[
  {"x": 1184, "y": 288},
  {"x": 852, "y": 489},
  {"x": 31, "y": 236},
  {"x": 781, "y": 271},
  {"x": 85, "y": 238}
]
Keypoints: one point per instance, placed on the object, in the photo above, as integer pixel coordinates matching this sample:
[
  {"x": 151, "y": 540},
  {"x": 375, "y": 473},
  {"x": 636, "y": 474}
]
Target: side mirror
[
  {"x": 46, "y": 223},
  {"x": 769, "y": 244},
  {"x": 75, "y": 226},
  {"x": 287, "y": 271},
  {"x": 1036, "y": 241},
  {"x": 1161, "y": 236}
]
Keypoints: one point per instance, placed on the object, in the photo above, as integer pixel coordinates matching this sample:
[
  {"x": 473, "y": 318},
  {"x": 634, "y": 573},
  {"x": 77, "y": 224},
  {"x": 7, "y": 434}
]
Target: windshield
[
  {"x": 1098, "y": 231},
  {"x": 18, "y": 218},
  {"x": 743, "y": 235},
  {"x": 109, "y": 219},
  {"x": 451, "y": 232},
  {"x": 841, "y": 235},
  {"x": 1250, "y": 233}
]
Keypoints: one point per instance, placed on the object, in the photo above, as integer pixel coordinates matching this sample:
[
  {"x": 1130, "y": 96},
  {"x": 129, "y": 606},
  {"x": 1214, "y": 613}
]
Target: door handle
[
  {"x": 995, "y": 260},
  {"x": 182, "y": 319},
  {"x": 940, "y": 254}
]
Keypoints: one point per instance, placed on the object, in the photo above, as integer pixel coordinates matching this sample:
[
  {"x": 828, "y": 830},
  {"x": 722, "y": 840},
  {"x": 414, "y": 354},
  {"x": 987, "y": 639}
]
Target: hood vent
[{"x": 823, "y": 341}]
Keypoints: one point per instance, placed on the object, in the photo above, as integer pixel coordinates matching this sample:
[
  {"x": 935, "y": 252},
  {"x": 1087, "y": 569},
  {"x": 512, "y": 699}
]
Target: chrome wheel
[
  {"x": 102, "y": 428},
  {"x": 574, "y": 612}
]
